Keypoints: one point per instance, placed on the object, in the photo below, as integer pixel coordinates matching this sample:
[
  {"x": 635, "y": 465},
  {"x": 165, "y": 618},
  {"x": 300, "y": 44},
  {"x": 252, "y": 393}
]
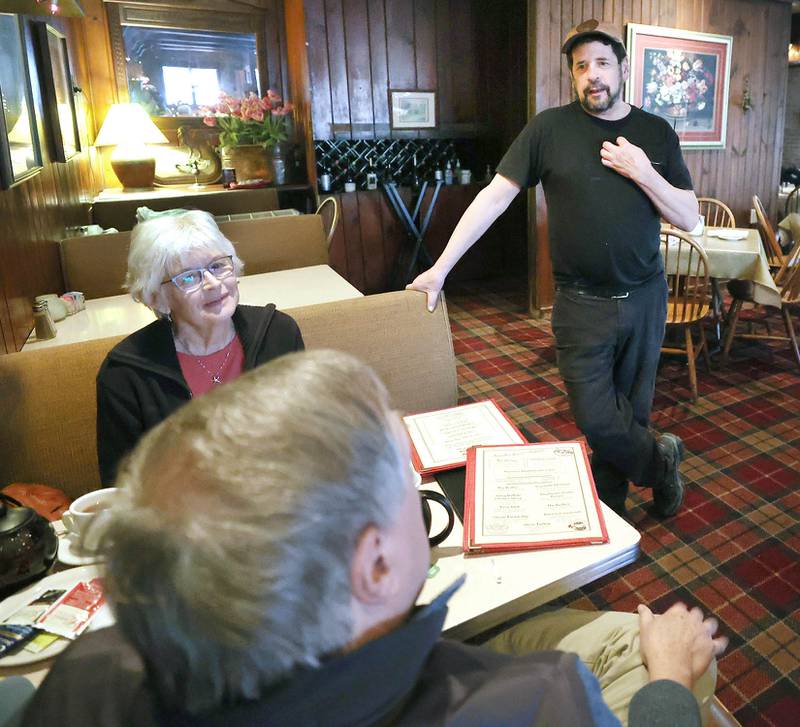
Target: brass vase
[{"x": 250, "y": 161}]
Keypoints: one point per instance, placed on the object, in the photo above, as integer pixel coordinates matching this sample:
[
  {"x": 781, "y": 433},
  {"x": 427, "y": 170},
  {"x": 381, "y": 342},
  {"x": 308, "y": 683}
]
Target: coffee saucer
[{"x": 69, "y": 550}]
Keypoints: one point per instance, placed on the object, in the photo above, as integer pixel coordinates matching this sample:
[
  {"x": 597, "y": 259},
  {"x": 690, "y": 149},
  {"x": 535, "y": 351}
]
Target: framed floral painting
[{"x": 684, "y": 77}]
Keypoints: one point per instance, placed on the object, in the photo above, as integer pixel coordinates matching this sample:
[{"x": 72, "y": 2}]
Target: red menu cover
[
  {"x": 529, "y": 496},
  {"x": 440, "y": 439}
]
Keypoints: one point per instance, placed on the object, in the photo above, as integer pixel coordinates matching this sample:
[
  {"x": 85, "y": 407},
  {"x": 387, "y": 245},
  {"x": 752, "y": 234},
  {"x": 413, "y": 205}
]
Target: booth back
[
  {"x": 119, "y": 211},
  {"x": 47, "y": 431},
  {"x": 96, "y": 264}
]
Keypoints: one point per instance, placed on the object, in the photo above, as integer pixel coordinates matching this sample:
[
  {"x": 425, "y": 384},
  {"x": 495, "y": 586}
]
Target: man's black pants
[{"x": 608, "y": 351}]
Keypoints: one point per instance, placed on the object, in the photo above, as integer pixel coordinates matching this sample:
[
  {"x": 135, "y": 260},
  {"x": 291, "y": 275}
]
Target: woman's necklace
[{"x": 216, "y": 378}]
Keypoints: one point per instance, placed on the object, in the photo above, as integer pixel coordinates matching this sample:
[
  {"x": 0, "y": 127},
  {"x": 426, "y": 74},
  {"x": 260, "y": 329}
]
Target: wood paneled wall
[
  {"x": 35, "y": 213},
  {"x": 750, "y": 163},
  {"x": 473, "y": 54},
  {"x": 359, "y": 49}
]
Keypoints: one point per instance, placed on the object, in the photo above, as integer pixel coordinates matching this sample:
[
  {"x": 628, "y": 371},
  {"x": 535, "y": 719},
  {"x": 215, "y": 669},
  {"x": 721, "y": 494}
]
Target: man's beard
[{"x": 603, "y": 103}]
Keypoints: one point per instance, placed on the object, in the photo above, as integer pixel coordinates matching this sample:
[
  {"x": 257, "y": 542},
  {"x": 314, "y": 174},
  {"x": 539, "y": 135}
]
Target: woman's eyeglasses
[{"x": 190, "y": 280}]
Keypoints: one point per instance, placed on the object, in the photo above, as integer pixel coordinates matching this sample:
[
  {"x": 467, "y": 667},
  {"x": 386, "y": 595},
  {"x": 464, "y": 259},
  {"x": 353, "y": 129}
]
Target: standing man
[{"x": 609, "y": 172}]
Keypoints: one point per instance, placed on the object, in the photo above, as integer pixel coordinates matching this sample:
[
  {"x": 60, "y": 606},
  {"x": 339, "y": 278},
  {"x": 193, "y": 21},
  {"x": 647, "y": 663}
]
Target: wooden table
[
  {"x": 120, "y": 315},
  {"x": 500, "y": 587}
]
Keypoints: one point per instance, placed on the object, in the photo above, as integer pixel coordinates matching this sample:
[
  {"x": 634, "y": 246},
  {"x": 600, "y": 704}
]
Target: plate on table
[
  {"x": 727, "y": 233},
  {"x": 64, "y": 579}
]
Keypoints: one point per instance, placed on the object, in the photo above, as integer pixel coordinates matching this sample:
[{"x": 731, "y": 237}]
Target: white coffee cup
[
  {"x": 699, "y": 227},
  {"x": 83, "y": 511}
]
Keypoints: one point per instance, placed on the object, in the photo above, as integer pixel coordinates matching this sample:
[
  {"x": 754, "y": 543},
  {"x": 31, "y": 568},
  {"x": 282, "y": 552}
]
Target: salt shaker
[{"x": 42, "y": 322}]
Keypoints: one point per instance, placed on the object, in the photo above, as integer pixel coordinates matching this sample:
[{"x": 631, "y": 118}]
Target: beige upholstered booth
[
  {"x": 96, "y": 264},
  {"x": 47, "y": 431}
]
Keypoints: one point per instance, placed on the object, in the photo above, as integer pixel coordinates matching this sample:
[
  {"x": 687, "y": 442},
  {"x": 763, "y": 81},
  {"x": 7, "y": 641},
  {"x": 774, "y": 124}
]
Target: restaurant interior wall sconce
[
  {"x": 129, "y": 129},
  {"x": 747, "y": 99},
  {"x": 60, "y": 8}
]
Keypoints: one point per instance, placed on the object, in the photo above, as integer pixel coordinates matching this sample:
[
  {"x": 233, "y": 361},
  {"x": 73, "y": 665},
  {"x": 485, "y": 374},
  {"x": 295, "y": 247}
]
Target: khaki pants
[{"x": 608, "y": 645}]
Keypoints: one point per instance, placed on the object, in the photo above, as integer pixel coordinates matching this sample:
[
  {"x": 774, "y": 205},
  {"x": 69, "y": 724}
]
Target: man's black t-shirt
[{"x": 603, "y": 228}]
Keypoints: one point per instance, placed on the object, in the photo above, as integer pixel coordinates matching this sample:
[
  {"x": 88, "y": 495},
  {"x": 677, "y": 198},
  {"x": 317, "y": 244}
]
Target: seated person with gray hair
[
  {"x": 263, "y": 564},
  {"x": 183, "y": 268}
]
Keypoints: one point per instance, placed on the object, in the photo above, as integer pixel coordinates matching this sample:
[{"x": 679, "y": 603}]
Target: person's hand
[
  {"x": 428, "y": 282},
  {"x": 626, "y": 159},
  {"x": 679, "y": 644}
]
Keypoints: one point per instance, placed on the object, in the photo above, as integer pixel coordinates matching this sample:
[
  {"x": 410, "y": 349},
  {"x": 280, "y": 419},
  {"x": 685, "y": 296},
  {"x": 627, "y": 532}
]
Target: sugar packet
[
  {"x": 31, "y": 612},
  {"x": 13, "y": 636},
  {"x": 70, "y": 616}
]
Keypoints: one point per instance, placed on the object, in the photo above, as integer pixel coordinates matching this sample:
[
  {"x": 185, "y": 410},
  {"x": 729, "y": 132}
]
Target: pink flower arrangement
[{"x": 249, "y": 120}]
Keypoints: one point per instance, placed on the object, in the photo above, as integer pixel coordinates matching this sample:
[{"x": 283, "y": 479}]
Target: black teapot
[{"x": 28, "y": 545}]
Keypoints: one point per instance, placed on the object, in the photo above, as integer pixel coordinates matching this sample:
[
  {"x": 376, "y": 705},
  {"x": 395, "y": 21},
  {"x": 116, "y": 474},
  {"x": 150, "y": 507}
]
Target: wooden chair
[
  {"x": 689, "y": 299},
  {"x": 787, "y": 279},
  {"x": 775, "y": 256},
  {"x": 716, "y": 213},
  {"x": 334, "y": 205}
]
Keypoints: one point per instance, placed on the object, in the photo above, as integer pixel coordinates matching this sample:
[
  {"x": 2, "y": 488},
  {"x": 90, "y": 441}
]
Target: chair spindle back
[
  {"x": 686, "y": 266},
  {"x": 716, "y": 213}
]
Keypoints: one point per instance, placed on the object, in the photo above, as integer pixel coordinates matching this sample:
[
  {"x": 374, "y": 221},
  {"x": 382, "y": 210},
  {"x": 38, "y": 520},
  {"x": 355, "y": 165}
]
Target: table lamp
[{"x": 129, "y": 129}]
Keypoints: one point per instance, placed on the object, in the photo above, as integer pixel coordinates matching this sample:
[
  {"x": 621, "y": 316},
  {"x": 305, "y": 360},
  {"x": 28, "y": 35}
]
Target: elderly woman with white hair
[{"x": 186, "y": 270}]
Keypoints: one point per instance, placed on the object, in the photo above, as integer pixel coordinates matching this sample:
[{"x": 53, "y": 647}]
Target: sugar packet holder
[{"x": 74, "y": 301}]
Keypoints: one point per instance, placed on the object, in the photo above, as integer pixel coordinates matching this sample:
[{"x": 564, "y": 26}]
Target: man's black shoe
[{"x": 668, "y": 495}]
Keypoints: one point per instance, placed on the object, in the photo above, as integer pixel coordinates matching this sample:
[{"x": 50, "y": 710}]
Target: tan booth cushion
[
  {"x": 278, "y": 243},
  {"x": 96, "y": 264},
  {"x": 47, "y": 430}
]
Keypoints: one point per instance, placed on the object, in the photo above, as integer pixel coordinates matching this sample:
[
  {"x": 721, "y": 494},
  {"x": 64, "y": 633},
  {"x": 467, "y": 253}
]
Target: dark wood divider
[{"x": 370, "y": 238}]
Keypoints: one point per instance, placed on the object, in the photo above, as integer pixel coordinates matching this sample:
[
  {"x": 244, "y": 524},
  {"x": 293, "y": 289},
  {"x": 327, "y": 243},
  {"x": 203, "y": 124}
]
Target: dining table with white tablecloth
[{"x": 743, "y": 259}]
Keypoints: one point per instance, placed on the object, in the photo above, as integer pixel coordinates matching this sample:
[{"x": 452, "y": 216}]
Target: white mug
[{"x": 82, "y": 513}]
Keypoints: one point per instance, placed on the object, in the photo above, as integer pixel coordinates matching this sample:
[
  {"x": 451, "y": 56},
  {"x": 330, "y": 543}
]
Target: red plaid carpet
[{"x": 733, "y": 549}]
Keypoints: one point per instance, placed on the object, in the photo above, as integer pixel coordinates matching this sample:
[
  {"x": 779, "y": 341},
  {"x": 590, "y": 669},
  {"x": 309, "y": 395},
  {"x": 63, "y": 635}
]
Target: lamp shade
[{"x": 128, "y": 123}]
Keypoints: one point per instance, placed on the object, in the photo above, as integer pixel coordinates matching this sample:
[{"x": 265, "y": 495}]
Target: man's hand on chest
[{"x": 626, "y": 159}]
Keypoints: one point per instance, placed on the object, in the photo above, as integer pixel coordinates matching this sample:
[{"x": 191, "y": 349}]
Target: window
[{"x": 190, "y": 86}]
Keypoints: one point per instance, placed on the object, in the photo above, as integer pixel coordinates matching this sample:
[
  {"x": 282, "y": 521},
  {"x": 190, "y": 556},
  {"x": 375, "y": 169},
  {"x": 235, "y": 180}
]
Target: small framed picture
[
  {"x": 684, "y": 77},
  {"x": 413, "y": 109},
  {"x": 20, "y": 155},
  {"x": 57, "y": 93}
]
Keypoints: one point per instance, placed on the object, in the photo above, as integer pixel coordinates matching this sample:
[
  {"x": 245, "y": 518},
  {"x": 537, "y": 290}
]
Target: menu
[
  {"x": 440, "y": 439},
  {"x": 521, "y": 497}
]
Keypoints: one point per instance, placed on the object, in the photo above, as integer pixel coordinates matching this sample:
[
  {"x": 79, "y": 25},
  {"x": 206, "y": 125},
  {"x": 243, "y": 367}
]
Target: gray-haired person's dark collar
[{"x": 368, "y": 686}]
